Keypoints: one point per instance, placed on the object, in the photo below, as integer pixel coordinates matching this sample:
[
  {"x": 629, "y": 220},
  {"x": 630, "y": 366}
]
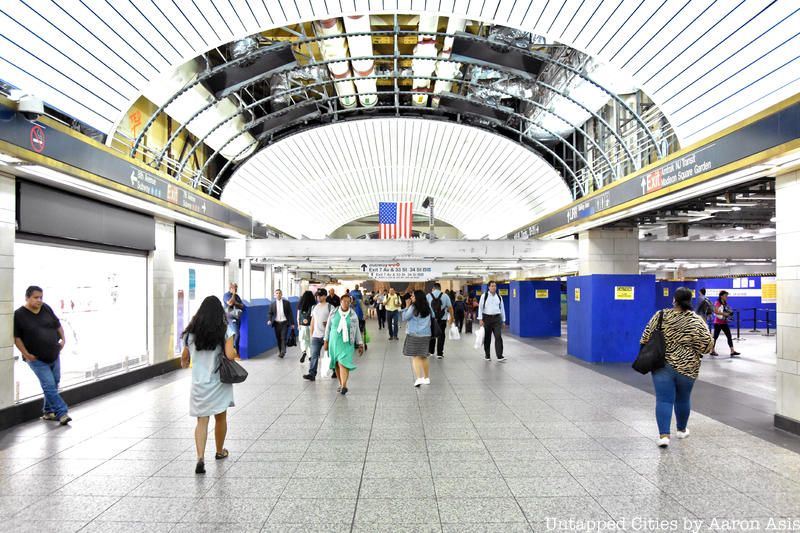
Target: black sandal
[
  {"x": 222, "y": 455},
  {"x": 200, "y": 468}
]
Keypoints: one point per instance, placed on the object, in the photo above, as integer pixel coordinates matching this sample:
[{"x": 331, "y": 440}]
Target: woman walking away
[
  {"x": 418, "y": 315},
  {"x": 205, "y": 340},
  {"x": 342, "y": 338},
  {"x": 460, "y": 308},
  {"x": 723, "y": 313},
  {"x": 687, "y": 339},
  {"x": 304, "y": 307}
]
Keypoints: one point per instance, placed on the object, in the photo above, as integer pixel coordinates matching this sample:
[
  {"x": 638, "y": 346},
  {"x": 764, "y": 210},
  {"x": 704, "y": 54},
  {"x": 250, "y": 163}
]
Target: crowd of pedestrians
[{"x": 327, "y": 323}]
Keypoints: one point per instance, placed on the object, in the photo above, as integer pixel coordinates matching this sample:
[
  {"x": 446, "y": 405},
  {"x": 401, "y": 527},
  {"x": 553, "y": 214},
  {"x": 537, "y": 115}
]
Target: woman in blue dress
[{"x": 205, "y": 340}]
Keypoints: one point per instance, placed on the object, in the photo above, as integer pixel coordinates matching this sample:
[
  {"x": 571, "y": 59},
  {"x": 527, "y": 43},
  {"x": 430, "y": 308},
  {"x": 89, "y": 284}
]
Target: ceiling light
[
  {"x": 773, "y": 219},
  {"x": 767, "y": 230},
  {"x": 736, "y": 208},
  {"x": 738, "y": 228}
]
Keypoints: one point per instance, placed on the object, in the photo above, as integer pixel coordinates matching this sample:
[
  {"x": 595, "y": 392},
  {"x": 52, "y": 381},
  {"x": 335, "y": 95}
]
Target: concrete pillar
[
  {"x": 608, "y": 251},
  {"x": 245, "y": 285},
  {"x": 788, "y": 306},
  {"x": 269, "y": 281},
  {"x": 161, "y": 281},
  {"x": 8, "y": 202}
]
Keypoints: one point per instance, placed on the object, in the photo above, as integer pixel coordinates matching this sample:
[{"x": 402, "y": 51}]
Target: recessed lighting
[
  {"x": 738, "y": 228},
  {"x": 772, "y": 219},
  {"x": 736, "y": 208}
]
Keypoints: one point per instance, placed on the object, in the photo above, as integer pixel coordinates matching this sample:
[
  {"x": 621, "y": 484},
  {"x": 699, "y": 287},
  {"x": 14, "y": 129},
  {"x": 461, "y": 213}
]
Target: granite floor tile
[
  {"x": 229, "y": 510},
  {"x": 397, "y": 511},
  {"x": 322, "y": 487},
  {"x": 479, "y": 510},
  {"x": 312, "y": 512},
  {"x": 411, "y": 487}
]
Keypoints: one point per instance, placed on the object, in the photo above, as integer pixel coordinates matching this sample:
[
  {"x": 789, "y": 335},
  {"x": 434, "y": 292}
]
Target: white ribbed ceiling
[
  {"x": 320, "y": 179},
  {"x": 706, "y": 63}
]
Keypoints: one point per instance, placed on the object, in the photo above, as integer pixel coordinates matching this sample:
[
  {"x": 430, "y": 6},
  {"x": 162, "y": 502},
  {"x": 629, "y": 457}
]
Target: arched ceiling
[
  {"x": 706, "y": 63},
  {"x": 320, "y": 179}
]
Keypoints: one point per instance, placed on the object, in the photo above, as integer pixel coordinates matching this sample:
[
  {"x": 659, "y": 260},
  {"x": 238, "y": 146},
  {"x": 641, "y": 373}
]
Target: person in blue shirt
[
  {"x": 418, "y": 315},
  {"x": 492, "y": 316},
  {"x": 442, "y": 309}
]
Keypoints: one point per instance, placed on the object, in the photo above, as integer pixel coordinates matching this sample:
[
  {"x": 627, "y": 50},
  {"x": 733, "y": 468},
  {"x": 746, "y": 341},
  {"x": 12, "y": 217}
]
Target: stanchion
[
  {"x": 738, "y": 326},
  {"x": 755, "y": 320},
  {"x": 768, "y": 334}
]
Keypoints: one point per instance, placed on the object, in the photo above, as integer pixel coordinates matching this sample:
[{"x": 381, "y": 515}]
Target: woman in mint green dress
[{"x": 342, "y": 338}]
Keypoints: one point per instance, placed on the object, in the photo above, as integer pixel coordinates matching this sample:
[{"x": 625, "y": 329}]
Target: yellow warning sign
[
  {"x": 769, "y": 291},
  {"x": 623, "y": 292},
  {"x": 503, "y": 292},
  {"x": 514, "y": 293},
  {"x": 577, "y": 294},
  {"x": 666, "y": 291},
  {"x": 542, "y": 293}
]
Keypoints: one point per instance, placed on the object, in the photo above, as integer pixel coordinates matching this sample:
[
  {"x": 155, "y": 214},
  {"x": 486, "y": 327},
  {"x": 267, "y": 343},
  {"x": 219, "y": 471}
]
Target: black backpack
[{"x": 438, "y": 308}]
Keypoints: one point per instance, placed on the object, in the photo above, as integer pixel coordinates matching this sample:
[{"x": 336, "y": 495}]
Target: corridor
[{"x": 523, "y": 446}]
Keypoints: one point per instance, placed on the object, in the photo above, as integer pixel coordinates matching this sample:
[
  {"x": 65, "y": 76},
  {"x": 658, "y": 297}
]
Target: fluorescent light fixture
[
  {"x": 736, "y": 208},
  {"x": 773, "y": 219},
  {"x": 5, "y": 158},
  {"x": 738, "y": 228}
]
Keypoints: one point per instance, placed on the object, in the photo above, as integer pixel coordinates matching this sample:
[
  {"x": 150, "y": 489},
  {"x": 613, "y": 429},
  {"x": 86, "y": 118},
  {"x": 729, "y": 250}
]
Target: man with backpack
[
  {"x": 320, "y": 314},
  {"x": 705, "y": 308},
  {"x": 442, "y": 309},
  {"x": 492, "y": 316}
]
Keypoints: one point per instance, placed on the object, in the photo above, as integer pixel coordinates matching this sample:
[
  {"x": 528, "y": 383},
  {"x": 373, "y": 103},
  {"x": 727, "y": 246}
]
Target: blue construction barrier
[{"x": 535, "y": 308}]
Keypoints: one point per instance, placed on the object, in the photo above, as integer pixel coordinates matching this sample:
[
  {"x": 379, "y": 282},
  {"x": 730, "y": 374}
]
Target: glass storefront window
[
  {"x": 100, "y": 298},
  {"x": 193, "y": 282}
]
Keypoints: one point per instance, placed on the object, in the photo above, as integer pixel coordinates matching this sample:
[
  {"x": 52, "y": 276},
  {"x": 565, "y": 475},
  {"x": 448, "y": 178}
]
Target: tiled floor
[{"x": 523, "y": 446}]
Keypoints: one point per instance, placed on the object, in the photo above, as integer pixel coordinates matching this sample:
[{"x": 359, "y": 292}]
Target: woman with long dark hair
[
  {"x": 418, "y": 316},
  {"x": 687, "y": 339},
  {"x": 207, "y": 337},
  {"x": 307, "y": 302},
  {"x": 722, "y": 314}
]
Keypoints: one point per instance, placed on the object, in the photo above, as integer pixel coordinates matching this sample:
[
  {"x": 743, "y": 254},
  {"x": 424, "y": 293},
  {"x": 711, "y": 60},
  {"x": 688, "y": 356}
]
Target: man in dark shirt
[
  {"x": 40, "y": 338},
  {"x": 333, "y": 299}
]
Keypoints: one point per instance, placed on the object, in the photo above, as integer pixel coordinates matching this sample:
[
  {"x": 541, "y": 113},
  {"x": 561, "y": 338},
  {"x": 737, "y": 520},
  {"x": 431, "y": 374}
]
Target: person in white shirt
[
  {"x": 492, "y": 316},
  {"x": 320, "y": 314}
]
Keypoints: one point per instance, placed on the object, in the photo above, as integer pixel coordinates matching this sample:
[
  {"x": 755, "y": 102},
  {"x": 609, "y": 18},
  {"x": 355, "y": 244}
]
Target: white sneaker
[
  {"x": 426, "y": 381},
  {"x": 663, "y": 442},
  {"x": 683, "y": 434},
  {"x": 418, "y": 382}
]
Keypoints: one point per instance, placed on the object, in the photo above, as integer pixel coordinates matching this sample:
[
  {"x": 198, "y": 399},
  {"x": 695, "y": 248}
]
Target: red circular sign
[{"x": 37, "y": 138}]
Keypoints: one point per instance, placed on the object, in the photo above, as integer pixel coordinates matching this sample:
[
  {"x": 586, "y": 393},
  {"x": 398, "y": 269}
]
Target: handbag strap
[{"x": 660, "y": 318}]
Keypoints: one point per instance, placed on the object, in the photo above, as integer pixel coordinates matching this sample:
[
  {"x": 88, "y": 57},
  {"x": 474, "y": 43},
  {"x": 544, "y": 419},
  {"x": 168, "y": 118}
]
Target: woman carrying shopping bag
[
  {"x": 342, "y": 338},
  {"x": 418, "y": 315}
]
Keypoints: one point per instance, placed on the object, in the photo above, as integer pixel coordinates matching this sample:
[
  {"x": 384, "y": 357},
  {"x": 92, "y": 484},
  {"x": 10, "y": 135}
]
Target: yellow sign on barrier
[
  {"x": 542, "y": 293},
  {"x": 666, "y": 291},
  {"x": 577, "y": 294},
  {"x": 623, "y": 292},
  {"x": 503, "y": 292}
]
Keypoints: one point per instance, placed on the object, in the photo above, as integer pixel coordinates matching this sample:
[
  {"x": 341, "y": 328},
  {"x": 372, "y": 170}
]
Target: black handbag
[
  {"x": 652, "y": 355},
  {"x": 230, "y": 371},
  {"x": 468, "y": 325},
  {"x": 436, "y": 329},
  {"x": 291, "y": 340}
]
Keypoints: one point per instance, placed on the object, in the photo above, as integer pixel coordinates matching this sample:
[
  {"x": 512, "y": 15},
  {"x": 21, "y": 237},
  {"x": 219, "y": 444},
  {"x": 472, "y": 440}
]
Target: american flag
[{"x": 394, "y": 220}]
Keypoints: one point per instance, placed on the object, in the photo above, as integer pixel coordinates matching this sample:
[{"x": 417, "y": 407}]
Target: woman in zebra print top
[{"x": 687, "y": 339}]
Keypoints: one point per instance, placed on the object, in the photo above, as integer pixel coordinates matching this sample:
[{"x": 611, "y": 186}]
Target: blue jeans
[
  {"x": 673, "y": 390},
  {"x": 316, "y": 348},
  {"x": 49, "y": 375},
  {"x": 393, "y": 318}
]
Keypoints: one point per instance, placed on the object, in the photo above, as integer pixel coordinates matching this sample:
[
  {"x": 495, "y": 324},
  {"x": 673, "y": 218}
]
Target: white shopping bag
[
  {"x": 479, "y": 338},
  {"x": 453, "y": 333}
]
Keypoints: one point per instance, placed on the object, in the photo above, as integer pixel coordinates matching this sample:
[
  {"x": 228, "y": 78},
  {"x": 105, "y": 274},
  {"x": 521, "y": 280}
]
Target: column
[
  {"x": 269, "y": 281},
  {"x": 8, "y": 202},
  {"x": 608, "y": 251},
  {"x": 161, "y": 281},
  {"x": 787, "y": 195},
  {"x": 244, "y": 285}
]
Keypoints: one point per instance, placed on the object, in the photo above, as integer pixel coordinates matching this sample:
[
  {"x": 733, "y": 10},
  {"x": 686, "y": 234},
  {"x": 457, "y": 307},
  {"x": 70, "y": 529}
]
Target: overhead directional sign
[
  {"x": 52, "y": 142},
  {"x": 401, "y": 271},
  {"x": 680, "y": 169}
]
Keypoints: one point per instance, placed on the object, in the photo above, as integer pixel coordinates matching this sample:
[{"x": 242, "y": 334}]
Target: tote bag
[
  {"x": 652, "y": 355},
  {"x": 230, "y": 371}
]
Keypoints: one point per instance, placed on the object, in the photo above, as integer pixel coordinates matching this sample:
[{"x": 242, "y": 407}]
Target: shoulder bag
[
  {"x": 230, "y": 371},
  {"x": 652, "y": 355}
]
